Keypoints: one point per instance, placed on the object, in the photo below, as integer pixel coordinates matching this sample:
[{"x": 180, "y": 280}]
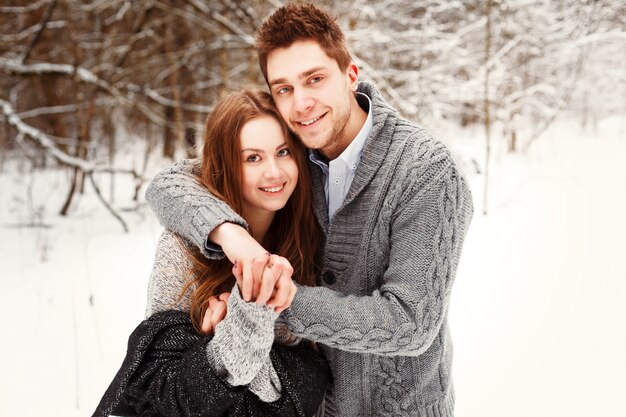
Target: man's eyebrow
[
  {"x": 311, "y": 71},
  {"x": 303, "y": 74}
]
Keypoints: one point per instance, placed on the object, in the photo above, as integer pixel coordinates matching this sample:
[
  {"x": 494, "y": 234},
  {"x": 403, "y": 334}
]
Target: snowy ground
[{"x": 537, "y": 313}]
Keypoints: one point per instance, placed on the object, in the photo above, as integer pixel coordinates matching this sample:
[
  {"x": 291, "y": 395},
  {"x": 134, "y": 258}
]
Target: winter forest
[{"x": 96, "y": 96}]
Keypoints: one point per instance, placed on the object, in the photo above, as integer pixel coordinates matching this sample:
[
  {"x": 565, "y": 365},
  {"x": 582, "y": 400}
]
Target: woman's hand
[
  {"x": 272, "y": 282},
  {"x": 241, "y": 248},
  {"x": 215, "y": 312}
]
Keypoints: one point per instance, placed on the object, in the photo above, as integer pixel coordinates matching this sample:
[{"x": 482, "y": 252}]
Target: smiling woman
[
  {"x": 269, "y": 171},
  {"x": 181, "y": 362}
]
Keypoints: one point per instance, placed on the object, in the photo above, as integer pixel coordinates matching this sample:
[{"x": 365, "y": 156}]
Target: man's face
[{"x": 314, "y": 96}]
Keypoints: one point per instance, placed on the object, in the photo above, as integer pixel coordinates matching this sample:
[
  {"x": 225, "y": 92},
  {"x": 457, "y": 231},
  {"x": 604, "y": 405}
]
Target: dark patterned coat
[{"x": 166, "y": 373}]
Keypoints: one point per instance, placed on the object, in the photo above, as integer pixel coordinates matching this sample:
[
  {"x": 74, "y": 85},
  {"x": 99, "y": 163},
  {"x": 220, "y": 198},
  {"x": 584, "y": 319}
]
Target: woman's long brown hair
[{"x": 294, "y": 232}]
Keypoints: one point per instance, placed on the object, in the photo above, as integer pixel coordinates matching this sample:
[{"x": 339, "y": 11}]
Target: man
[{"x": 394, "y": 210}]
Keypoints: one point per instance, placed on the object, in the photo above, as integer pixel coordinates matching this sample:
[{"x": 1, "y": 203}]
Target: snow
[
  {"x": 538, "y": 305},
  {"x": 537, "y": 311}
]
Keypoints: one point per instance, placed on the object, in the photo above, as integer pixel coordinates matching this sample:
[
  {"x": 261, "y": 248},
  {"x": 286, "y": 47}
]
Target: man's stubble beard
[{"x": 336, "y": 134}]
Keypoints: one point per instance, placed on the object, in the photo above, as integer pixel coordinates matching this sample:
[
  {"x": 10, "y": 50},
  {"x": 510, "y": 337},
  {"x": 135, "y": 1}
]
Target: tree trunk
[
  {"x": 486, "y": 105},
  {"x": 82, "y": 147},
  {"x": 223, "y": 72},
  {"x": 146, "y": 157},
  {"x": 70, "y": 194},
  {"x": 176, "y": 135},
  {"x": 169, "y": 136}
]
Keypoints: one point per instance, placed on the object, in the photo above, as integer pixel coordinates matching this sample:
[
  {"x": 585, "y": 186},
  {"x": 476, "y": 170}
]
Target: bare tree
[{"x": 68, "y": 67}]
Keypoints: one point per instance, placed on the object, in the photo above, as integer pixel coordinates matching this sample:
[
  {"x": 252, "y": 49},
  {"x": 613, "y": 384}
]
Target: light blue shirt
[{"x": 339, "y": 173}]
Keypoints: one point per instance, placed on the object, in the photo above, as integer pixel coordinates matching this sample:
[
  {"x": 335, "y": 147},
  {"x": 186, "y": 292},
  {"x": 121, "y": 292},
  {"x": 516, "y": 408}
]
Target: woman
[{"x": 174, "y": 366}]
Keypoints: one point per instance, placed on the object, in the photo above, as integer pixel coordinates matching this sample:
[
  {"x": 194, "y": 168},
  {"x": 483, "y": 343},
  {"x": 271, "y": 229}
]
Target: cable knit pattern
[
  {"x": 239, "y": 351},
  {"x": 179, "y": 201},
  {"x": 389, "y": 259}
]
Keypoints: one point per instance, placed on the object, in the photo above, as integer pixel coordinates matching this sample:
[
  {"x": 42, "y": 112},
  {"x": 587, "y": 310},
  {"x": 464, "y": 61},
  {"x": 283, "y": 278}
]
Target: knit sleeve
[
  {"x": 239, "y": 351},
  {"x": 170, "y": 273},
  {"x": 186, "y": 207},
  {"x": 405, "y": 314}
]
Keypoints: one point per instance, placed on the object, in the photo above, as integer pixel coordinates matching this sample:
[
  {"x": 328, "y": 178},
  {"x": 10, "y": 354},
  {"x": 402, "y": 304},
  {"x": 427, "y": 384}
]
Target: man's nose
[{"x": 303, "y": 101}]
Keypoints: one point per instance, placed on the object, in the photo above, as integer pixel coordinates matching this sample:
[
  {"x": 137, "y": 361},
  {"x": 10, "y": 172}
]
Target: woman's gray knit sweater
[
  {"x": 239, "y": 351},
  {"x": 389, "y": 259}
]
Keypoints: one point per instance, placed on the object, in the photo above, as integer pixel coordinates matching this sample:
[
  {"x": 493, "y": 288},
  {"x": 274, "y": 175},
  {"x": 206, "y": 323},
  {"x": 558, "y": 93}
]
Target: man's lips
[{"x": 310, "y": 122}]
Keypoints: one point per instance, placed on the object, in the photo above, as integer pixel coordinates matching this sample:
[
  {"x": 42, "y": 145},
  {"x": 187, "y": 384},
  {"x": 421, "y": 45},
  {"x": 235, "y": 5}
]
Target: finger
[
  {"x": 267, "y": 286},
  {"x": 257, "y": 273},
  {"x": 290, "y": 298},
  {"x": 206, "y": 322},
  {"x": 224, "y": 296},
  {"x": 213, "y": 302},
  {"x": 282, "y": 286},
  {"x": 219, "y": 312},
  {"x": 280, "y": 267},
  {"x": 246, "y": 288},
  {"x": 238, "y": 273},
  {"x": 277, "y": 266}
]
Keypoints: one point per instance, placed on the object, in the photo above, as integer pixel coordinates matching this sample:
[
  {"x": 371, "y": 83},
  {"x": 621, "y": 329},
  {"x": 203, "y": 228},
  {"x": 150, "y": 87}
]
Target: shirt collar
[{"x": 352, "y": 154}]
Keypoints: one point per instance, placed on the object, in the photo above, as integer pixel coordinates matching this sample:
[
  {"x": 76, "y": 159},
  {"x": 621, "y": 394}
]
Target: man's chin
[{"x": 312, "y": 141}]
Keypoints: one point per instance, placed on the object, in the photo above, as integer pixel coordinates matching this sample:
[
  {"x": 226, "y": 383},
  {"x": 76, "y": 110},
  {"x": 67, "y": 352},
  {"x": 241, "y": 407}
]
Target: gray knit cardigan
[{"x": 389, "y": 259}]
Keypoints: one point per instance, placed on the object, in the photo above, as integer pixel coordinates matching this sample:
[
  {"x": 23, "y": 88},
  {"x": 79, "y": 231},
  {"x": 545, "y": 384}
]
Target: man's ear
[{"x": 353, "y": 76}]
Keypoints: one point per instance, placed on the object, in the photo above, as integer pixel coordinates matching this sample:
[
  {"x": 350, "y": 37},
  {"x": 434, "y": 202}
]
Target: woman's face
[{"x": 269, "y": 170}]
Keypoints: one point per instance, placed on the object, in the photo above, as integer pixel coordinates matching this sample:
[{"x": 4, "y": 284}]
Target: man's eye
[
  {"x": 282, "y": 90},
  {"x": 315, "y": 80},
  {"x": 284, "y": 152},
  {"x": 253, "y": 158}
]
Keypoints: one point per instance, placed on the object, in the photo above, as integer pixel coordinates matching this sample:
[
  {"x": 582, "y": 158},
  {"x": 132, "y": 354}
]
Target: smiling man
[
  {"x": 314, "y": 97},
  {"x": 394, "y": 210}
]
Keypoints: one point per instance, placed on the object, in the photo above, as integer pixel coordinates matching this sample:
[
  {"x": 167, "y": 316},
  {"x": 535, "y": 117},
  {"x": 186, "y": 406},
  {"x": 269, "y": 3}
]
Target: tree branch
[
  {"x": 44, "y": 22},
  {"x": 106, "y": 204},
  {"x": 82, "y": 75},
  {"x": 26, "y": 9},
  {"x": 45, "y": 141}
]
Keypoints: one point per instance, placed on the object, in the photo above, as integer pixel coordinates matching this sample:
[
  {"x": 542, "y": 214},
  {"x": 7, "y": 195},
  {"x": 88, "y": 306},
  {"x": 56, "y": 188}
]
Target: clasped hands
[{"x": 265, "y": 280}]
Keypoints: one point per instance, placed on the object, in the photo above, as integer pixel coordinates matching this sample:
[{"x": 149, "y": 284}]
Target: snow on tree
[{"x": 80, "y": 73}]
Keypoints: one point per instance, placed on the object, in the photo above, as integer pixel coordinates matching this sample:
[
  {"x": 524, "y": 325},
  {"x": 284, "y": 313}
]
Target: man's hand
[{"x": 215, "y": 312}]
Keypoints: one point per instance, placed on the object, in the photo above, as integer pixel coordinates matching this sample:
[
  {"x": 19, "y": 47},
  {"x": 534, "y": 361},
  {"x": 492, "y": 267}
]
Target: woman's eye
[
  {"x": 284, "y": 152},
  {"x": 253, "y": 158},
  {"x": 282, "y": 90},
  {"x": 316, "y": 80}
]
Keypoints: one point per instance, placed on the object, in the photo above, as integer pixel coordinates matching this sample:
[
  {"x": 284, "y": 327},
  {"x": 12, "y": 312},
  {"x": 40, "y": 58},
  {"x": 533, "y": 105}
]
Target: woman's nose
[{"x": 272, "y": 170}]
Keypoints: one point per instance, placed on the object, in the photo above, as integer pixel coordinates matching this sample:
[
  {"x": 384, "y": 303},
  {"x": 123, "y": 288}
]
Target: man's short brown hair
[{"x": 299, "y": 22}]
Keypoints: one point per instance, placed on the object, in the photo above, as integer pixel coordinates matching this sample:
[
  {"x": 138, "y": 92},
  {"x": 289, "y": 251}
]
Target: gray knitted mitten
[{"x": 239, "y": 350}]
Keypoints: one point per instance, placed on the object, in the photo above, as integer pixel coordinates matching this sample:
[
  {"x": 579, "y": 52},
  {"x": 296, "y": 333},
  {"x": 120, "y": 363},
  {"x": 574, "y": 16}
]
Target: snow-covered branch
[
  {"x": 198, "y": 108},
  {"x": 24, "y": 9},
  {"x": 49, "y": 145},
  {"x": 17, "y": 37},
  {"x": 43, "y": 140},
  {"x": 81, "y": 74},
  {"x": 218, "y": 17}
]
